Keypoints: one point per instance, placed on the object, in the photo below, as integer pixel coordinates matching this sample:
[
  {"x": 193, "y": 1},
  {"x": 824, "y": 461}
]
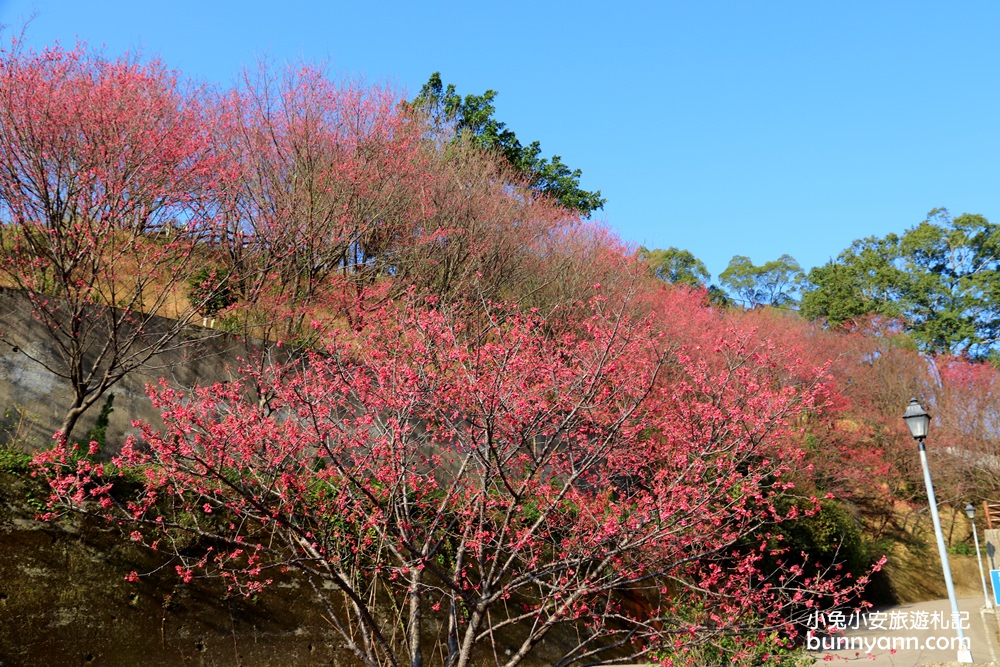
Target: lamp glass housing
[{"x": 917, "y": 420}]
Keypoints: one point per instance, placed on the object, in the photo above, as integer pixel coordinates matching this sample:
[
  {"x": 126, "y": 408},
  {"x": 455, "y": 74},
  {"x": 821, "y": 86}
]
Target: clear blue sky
[{"x": 753, "y": 128}]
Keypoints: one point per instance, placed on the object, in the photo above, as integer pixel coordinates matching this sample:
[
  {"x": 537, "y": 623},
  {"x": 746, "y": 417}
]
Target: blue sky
[{"x": 724, "y": 128}]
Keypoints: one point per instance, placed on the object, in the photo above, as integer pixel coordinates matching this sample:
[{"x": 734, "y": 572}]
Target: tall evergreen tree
[{"x": 473, "y": 120}]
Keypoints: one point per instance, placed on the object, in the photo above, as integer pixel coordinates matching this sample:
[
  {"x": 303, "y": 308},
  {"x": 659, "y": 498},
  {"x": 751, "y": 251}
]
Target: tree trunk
[{"x": 413, "y": 629}]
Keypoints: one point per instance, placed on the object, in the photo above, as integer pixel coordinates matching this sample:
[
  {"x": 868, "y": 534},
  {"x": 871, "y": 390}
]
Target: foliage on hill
[
  {"x": 939, "y": 277},
  {"x": 499, "y": 420}
]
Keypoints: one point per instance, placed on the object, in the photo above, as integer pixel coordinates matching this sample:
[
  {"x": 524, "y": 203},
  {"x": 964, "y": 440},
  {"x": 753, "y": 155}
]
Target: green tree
[
  {"x": 861, "y": 282},
  {"x": 941, "y": 278},
  {"x": 679, "y": 267},
  {"x": 774, "y": 283},
  {"x": 953, "y": 271},
  {"x": 472, "y": 119}
]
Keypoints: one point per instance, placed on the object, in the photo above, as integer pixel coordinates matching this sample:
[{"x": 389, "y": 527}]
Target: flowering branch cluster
[{"x": 487, "y": 488}]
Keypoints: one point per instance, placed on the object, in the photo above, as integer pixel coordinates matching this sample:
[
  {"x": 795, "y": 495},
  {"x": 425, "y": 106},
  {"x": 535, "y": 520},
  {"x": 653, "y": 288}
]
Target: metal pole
[
  {"x": 982, "y": 573},
  {"x": 965, "y": 649}
]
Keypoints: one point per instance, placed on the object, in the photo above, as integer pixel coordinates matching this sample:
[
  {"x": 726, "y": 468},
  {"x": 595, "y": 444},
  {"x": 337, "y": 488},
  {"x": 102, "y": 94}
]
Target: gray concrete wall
[{"x": 34, "y": 400}]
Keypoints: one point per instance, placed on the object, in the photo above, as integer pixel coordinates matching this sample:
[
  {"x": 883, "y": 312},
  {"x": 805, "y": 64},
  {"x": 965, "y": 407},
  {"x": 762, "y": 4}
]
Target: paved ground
[{"x": 911, "y": 636}]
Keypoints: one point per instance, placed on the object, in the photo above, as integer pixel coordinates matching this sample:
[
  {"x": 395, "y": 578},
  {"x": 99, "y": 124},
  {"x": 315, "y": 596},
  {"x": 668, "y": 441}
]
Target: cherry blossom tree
[
  {"x": 480, "y": 239},
  {"x": 964, "y": 403},
  {"x": 101, "y": 165},
  {"x": 323, "y": 181},
  {"x": 453, "y": 497},
  {"x": 490, "y": 236}
]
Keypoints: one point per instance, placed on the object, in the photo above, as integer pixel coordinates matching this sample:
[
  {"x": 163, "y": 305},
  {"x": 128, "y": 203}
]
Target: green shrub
[
  {"x": 962, "y": 549},
  {"x": 207, "y": 288},
  {"x": 99, "y": 431},
  {"x": 14, "y": 460}
]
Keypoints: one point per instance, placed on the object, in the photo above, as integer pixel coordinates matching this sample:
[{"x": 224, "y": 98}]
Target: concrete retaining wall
[{"x": 34, "y": 400}]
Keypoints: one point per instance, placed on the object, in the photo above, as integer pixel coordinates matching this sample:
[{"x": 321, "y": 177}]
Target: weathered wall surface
[
  {"x": 33, "y": 400},
  {"x": 64, "y": 601}
]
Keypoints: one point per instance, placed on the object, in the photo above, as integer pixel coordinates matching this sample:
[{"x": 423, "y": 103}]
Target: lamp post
[
  {"x": 918, "y": 420},
  {"x": 970, "y": 511}
]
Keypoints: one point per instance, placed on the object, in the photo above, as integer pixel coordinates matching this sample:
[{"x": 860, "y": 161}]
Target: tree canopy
[
  {"x": 941, "y": 278},
  {"x": 774, "y": 283},
  {"x": 676, "y": 266},
  {"x": 472, "y": 119}
]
